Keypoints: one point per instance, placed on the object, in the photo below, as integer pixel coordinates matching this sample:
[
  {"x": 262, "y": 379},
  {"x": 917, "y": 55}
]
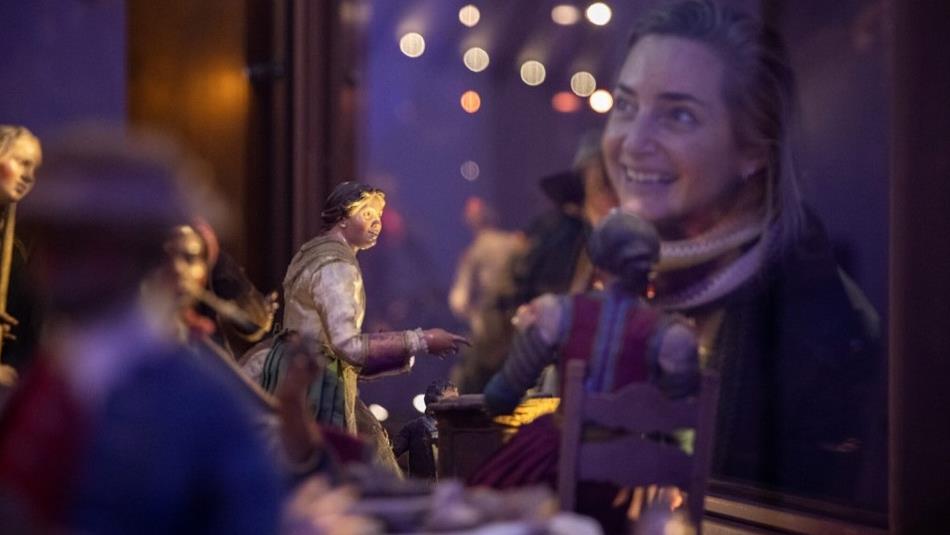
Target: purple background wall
[{"x": 62, "y": 61}]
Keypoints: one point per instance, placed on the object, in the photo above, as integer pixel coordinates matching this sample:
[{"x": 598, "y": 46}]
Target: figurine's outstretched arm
[{"x": 337, "y": 293}]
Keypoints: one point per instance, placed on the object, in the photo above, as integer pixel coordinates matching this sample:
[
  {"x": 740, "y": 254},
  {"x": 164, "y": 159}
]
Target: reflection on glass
[
  {"x": 565, "y": 15},
  {"x": 475, "y": 59},
  {"x": 691, "y": 195},
  {"x": 565, "y": 102},
  {"x": 471, "y": 101},
  {"x": 470, "y": 170},
  {"x": 601, "y": 101},
  {"x": 583, "y": 83},
  {"x": 412, "y": 44},
  {"x": 532, "y": 72},
  {"x": 598, "y": 13},
  {"x": 469, "y": 15}
]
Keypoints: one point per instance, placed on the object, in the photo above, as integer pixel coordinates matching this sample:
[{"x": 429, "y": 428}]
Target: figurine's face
[
  {"x": 669, "y": 145},
  {"x": 17, "y": 169},
  {"x": 186, "y": 251},
  {"x": 362, "y": 227}
]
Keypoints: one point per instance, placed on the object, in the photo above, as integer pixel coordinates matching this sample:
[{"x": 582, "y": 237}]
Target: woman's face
[
  {"x": 669, "y": 144},
  {"x": 17, "y": 169},
  {"x": 362, "y": 227}
]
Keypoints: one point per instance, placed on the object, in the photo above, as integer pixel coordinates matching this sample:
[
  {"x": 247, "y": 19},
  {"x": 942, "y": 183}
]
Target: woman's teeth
[{"x": 641, "y": 177}]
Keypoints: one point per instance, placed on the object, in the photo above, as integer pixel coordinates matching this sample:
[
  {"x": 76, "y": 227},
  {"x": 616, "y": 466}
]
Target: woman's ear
[{"x": 754, "y": 160}]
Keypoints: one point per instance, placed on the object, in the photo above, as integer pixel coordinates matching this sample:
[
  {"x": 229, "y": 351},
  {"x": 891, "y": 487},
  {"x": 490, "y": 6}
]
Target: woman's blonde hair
[{"x": 9, "y": 134}]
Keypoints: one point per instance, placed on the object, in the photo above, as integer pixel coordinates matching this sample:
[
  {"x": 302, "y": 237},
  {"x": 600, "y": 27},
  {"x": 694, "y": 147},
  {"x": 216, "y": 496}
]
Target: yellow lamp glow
[
  {"x": 532, "y": 72},
  {"x": 601, "y": 101},
  {"x": 565, "y": 15},
  {"x": 565, "y": 102},
  {"x": 476, "y": 59},
  {"x": 412, "y": 44},
  {"x": 471, "y": 101},
  {"x": 583, "y": 84},
  {"x": 469, "y": 15},
  {"x": 599, "y": 13}
]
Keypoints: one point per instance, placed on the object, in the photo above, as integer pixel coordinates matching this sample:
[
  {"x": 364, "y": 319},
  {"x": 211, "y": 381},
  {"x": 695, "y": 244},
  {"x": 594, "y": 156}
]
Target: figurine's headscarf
[
  {"x": 624, "y": 246},
  {"x": 344, "y": 198}
]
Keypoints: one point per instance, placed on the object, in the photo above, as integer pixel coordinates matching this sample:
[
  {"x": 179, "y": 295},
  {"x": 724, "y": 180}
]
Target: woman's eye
[
  {"x": 623, "y": 105},
  {"x": 683, "y": 116}
]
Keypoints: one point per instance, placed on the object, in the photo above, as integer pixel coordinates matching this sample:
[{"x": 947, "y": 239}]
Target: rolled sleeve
[{"x": 337, "y": 290}]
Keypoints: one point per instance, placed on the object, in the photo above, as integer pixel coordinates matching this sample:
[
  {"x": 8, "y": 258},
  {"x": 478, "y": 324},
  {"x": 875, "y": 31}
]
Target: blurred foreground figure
[
  {"x": 20, "y": 156},
  {"x": 291, "y": 435},
  {"x": 117, "y": 429},
  {"x": 481, "y": 295}
]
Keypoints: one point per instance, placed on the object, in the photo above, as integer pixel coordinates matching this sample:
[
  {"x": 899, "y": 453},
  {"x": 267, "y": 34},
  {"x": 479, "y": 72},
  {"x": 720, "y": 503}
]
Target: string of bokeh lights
[{"x": 583, "y": 84}]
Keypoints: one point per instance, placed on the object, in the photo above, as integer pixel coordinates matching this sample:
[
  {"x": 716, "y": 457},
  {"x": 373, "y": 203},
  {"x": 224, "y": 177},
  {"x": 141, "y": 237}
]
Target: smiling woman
[{"x": 697, "y": 144}]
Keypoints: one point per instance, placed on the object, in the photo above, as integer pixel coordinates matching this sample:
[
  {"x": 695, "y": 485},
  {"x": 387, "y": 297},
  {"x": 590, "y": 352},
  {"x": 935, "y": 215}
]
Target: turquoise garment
[{"x": 325, "y": 395}]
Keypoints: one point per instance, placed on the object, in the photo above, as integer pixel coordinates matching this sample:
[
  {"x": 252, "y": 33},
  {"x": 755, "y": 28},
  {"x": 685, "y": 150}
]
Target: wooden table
[{"x": 468, "y": 435}]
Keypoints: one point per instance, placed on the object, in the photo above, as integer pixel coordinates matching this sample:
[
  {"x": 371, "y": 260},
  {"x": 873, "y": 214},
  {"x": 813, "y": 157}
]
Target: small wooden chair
[{"x": 633, "y": 459}]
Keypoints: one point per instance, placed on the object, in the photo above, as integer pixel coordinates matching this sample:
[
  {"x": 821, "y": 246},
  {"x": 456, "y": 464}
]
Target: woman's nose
[{"x": 640, "y": 137}]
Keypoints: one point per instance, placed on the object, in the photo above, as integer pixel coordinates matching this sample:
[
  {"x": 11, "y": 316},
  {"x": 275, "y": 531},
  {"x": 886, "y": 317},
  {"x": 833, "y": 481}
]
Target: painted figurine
[{"x": 324, "y": 298}]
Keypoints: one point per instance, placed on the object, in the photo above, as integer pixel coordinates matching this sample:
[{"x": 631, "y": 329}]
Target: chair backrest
[{"x": 636, "y": 457}]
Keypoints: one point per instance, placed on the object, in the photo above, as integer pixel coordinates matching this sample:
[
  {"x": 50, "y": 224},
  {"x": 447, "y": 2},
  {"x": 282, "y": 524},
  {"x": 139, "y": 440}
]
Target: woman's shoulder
[{"x": 814, "y": 302}]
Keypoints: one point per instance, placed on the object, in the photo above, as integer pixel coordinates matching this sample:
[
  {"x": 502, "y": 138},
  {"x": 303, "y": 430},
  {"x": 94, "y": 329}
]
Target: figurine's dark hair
[
  {"x": 758, "y": 89},
  {"x": 344, "y": 197},
  {"x": 436, "y": 389},
  {"x": 625, "y": 246}
]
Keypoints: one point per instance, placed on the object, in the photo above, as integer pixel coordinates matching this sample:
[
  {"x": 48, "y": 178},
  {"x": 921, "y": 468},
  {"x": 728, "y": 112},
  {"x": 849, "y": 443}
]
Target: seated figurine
[{"x": 620, "y": 337}]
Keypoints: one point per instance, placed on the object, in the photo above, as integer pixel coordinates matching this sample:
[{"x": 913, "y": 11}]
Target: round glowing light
[
  {"x": 469, "y": 15},
  {"x": 470, "y": 171},
  {"x": 532, "y": 72},
  {"x": 412, "y": 44},
  {"x": 565, "y": 102},
  {"x": 583, "y": 84},
  {"x": 565, "y": 15},
  {"x": 471, "y": 101},
  {"x": 476, "y": 59},
  {"x": 379, "y": 412},
  {"x": 598, "y": 13},
  {"x": 419, "y": 402},
  {"x": 601, "y": 101}
]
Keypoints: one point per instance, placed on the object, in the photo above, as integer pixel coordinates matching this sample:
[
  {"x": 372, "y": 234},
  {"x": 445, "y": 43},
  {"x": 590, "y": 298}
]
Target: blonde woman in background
[{"x": 20, "y": 156}]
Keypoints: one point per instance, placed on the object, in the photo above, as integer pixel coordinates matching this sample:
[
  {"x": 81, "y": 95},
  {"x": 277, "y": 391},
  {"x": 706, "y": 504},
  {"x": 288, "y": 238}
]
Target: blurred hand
[
  {"x": 7, "y": 323},
  {"x": 301, "y": 435},
  {"x": 8, "y": 376},
  {"x": 442, "y": 343},
  {"x": 302, "y": 368},
  {"x": 266, "y": 316}
]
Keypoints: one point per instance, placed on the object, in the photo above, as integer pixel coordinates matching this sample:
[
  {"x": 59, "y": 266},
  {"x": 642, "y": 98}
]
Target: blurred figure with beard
[{"x": 481, "y": 295}]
